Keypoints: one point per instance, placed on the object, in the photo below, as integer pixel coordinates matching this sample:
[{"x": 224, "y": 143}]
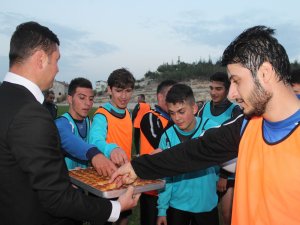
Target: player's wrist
[{"x": 92, "y": 152}]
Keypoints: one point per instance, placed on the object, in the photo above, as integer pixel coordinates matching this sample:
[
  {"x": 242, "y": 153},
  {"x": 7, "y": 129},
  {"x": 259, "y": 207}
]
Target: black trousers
[
  {"x": 148, "y": 210},
  {"x": 179, "y": 217}
]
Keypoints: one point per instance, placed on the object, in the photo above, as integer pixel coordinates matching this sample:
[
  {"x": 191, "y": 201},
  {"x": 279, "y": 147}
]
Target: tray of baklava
[{"x": 89, "y": 180}]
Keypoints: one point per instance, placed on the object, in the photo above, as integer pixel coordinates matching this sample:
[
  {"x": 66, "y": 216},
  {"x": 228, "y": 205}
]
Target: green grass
[
  {"x": 61, "y": 109},
  {"x": 134, "y": 219}
]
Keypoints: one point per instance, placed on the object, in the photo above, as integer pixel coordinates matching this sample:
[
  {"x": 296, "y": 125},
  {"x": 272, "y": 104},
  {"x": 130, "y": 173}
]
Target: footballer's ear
[
  {"x": 266, "y": 72},
  {"x": 69, "y": 99},
  {"x": 109, "y": 91},
  {"x": 160, "y": 97},
  {"x": 195, "y": 108}
]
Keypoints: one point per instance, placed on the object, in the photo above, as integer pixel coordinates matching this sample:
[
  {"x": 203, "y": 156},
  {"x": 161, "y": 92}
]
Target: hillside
[
  {"x": 200, "y": 89},
  {"x": 148, "y": 88}
]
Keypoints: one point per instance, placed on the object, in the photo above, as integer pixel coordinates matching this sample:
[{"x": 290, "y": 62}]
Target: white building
[
  {"x": 60, "y": 89},
  {"x": 101, "y": 86}
]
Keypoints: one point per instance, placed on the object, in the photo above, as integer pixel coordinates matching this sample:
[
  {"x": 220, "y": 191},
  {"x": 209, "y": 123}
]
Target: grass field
[{"x": 64, "y": 108}]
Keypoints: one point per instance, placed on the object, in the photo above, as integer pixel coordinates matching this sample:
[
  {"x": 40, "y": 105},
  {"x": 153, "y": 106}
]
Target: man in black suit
[
  {"x": 35, "y": 187},
  {"x": 49, "y": 103}
]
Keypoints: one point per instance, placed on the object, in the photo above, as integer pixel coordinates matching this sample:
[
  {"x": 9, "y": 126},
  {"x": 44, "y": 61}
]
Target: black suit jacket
[{"x": 34, "y": 182}]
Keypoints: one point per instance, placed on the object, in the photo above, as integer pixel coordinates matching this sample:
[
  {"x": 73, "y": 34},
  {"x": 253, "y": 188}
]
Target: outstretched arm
[
  {"x": 216, "y": 146},
  {"x": 72, "y": 144}
]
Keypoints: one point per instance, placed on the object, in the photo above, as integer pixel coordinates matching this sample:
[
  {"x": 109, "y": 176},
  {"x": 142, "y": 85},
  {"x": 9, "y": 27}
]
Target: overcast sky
[{"x": 100, "y": 36}]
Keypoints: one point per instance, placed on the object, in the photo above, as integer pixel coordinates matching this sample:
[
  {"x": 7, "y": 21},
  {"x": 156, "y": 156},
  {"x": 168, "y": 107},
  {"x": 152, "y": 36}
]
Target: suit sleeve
[
  {"x": 216, "y": 146},
  {"x": 35, "y": 144}
]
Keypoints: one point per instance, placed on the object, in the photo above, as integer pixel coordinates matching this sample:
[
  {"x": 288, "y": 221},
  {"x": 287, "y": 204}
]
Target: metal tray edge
[{"x": 116, "y": 193}]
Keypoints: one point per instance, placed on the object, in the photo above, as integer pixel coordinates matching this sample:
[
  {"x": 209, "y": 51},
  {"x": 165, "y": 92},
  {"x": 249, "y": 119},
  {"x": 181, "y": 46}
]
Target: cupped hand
[{"x": 124, "y": 175}]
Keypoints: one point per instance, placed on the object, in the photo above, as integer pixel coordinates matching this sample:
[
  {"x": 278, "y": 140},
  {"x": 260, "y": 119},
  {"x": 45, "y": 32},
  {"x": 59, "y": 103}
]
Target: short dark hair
[
  {"x": 142, "y": 96},
  {"x": 48, "y": 92},
  {"x": 79, "y": 82},
  {"x": 121, "y": 78},
  {"x": 295, "y": 79},
  {"x": 27, "y": 39},
  {"x": 255, "y": 46},
  {"x": 180, "y": 93},
  {"x": 221, "y": 77},
  {"x": 164, "y": 85}
]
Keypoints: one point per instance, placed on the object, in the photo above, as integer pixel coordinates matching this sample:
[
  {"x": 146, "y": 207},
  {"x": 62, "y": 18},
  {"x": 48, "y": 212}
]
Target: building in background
[
  {"x": 60, "y": 90},
  {"x": 100, "y": 86}
]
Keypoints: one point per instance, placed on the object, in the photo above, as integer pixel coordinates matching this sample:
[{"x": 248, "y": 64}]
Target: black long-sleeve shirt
[
  {"x": 152, "y": 127},
  {"x": 217, "y": 110},
  {"x": 216, "y": 146}
]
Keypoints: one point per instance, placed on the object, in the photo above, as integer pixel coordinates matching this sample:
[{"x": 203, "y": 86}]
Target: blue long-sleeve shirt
[{"x": 73, "y": 145}]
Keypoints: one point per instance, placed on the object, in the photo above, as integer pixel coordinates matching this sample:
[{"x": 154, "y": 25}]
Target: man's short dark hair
[
  {"x": 79, "y": 82},
  {"x": 121, "y": 78},
  {"x": 295, "y": 79},
  {"x": 27, "y": 39},
  {"x": 164, "y": 85},
  {"x": 180, "y": 93},
  {"x": 255, "y": 46},
  {"x": 142, "y": 96},
  {"x": 48, "y": 92},
  {"x": 221, "y": 77}
]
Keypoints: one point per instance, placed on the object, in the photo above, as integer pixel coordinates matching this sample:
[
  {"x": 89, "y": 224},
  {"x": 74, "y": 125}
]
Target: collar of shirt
[
  {"x": 32, "y": 87},
  {"x": 223, "y": 104},
  {"x": 162, "y": 112}
]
